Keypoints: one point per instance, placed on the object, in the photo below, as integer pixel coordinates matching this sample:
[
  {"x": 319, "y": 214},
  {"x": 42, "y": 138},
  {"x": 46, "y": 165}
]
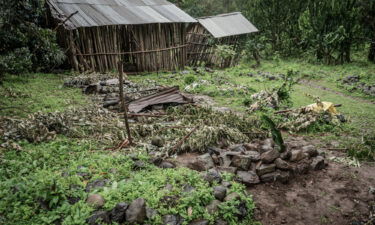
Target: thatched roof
[
  {"x": 225, "y": 25},
  {"x": 93, "y": 13}
]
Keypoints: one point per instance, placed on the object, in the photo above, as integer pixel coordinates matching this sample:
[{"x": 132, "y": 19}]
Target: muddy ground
[{"x": 337, "y": 195}]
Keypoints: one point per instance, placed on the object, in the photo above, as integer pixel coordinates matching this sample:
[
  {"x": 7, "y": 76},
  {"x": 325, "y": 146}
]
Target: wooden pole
[{"x": 123, "y": 106}]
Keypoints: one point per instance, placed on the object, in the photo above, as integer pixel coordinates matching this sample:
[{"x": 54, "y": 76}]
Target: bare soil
[{"x": 337, "y": 195}]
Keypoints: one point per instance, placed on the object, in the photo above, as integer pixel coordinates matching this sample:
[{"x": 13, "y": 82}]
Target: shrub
[{"x": 16, "y": 62}]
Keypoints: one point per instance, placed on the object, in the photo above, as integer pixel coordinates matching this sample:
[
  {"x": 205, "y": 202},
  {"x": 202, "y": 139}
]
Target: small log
[{"x": 174, "y": 149}]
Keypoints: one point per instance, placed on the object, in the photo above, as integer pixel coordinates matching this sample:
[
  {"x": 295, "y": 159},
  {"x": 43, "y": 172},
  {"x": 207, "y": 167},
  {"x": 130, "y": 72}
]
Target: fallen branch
[{"x": 174, "y": 149}]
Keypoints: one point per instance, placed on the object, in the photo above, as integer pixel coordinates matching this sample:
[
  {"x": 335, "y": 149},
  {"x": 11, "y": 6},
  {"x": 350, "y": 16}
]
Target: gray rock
[
  {"x": 139, "y": 165},
  {"x": 284, "y": 177},
  {"x": 302, "y": 168},
  {"x": 99, "y": 183},
  {"x": 232, "y": 196},
  {"x": 253, "y": 155},
  {"x": 281, "y": 176},
  {"x": 99, "y": 217},
  {"x": 188, "y": 188},
  {"x": 168, "y": 187},
  {"x": 95, "y": 200},
  {"x": 213, "y": 206},
  {"x": 242, "y": 210},
  {"x": 267, "y": 145},
  {"x": 220, "y": 192},
  {"x": 214, "y": 150},
  {"x": 241, "y": 161},
  {"x": 286, "y": 155},
  {"x": 206, "y": 161},
  {"x": 167, "y": 165},
  {"x": 297, "y": 155},
  {"x": 322, "y": 153},
  {"x": 248, "y": 177},
  {"x": 269, "y": 156},
  {"x": 157, "y": 141},
  {"x": 283, "y": 165},
  {"x": 172, "y": 220},
  {"x": 199, "y": 222},
  {"x": 229, "y": 169},
  {"x": 270, "y": 177},
  {"x": 318, "y": 163},
  {"x": 136, "y": 212},
  {"x": 118, "y": 212},
  {"x": 226, "y": 184},
  {"x": 251, "y": 147},
  {"x": 221, "y": 222},
  {"x": 212, "y": 176},
  {"x": 150, "y": 213},
  {"x": 237, "y": 148},
  {"x": 310, "y": 150},
  {"x": 265, "y": 168}
]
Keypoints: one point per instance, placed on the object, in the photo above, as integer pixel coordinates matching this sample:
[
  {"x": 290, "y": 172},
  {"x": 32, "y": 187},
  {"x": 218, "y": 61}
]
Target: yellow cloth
[{"x": 322, "y": 107}]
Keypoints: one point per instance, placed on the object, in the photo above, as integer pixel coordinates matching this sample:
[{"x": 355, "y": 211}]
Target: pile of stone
[
  {"x": 137, "y": 211},
  {"x": 260, "y": 161},
  {"x": 354, "y": 82}
]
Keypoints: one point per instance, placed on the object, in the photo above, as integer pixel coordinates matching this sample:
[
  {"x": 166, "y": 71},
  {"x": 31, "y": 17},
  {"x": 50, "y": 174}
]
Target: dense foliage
[
  {"x": 24, "y": 44},
  {"x": 327, "y": 29}
]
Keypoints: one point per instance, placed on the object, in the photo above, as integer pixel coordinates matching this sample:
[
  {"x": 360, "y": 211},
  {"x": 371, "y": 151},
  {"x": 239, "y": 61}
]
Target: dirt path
[
  {"x": 315, "y": 85},
  {"x": 338, "y": 195}
]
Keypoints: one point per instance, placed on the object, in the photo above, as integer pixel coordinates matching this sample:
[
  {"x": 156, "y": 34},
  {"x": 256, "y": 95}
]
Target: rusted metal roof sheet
[
  {"x": 93, "y": 13},
  {"x": 225, "y": 25}
]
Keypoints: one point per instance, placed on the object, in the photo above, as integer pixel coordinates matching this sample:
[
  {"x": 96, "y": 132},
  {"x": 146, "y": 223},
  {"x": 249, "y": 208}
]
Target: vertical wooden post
[{"x": 122, "y": 99}]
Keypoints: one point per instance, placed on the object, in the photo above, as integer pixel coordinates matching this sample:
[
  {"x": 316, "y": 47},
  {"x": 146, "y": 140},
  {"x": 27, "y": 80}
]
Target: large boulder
[{"x": 136, "y": 212}]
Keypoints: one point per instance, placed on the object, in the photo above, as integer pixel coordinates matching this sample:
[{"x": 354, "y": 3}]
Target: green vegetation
[
  {"x": 47, "y": 185},
  {"x": 23, "y": 95},
  {"x": 232, "y": 88}
]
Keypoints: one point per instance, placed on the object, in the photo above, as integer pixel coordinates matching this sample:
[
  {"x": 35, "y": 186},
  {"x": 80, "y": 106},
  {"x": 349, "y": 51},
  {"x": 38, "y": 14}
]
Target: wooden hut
[
  {"x": 210, "y": 32},
  {"x": 146, "y": 35}
]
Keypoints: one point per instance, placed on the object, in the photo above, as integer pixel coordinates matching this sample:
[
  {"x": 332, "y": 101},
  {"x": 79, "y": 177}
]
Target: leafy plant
[{"x": 276, "y": 134}]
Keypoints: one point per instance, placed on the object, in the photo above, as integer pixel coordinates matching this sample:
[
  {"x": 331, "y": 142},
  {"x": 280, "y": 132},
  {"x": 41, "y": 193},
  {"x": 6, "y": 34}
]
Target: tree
[{"x": 368, "y": 21}]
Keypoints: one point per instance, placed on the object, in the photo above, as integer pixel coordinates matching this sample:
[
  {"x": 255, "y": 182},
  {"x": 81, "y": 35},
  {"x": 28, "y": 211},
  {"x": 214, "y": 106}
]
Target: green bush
[
  {"x": 16, "y": 62},
  {"x": 190, "y": 79}
]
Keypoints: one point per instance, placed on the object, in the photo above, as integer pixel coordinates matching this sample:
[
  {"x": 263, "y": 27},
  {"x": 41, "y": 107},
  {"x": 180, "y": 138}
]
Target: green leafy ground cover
[{"x": 44, "y": 183}]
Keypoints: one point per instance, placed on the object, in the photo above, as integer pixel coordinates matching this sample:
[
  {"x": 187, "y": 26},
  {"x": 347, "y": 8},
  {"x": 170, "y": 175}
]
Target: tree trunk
[{"x": 371, "y": 54}]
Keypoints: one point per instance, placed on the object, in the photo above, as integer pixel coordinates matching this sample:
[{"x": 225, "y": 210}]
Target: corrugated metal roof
[
  {"x": 225, "y": 25},
  {"x": 117, "y": 12}
]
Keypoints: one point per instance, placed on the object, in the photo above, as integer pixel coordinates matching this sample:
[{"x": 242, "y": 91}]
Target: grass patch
[{"x": 22, "y": 95}]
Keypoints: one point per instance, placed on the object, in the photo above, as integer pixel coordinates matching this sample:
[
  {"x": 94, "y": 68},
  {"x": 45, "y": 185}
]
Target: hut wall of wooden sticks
[
  {"x": 148, "y": 47},
  {"x": 202, "y": 48},
  {"x": 147, "y": 36},
  {"x": 204, "y": 37}
]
